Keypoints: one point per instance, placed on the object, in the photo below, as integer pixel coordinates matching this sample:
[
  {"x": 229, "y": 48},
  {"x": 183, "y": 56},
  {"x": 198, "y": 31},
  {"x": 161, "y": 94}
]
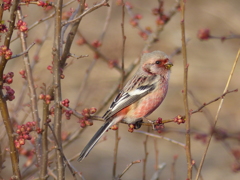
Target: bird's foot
[{"x": 138, "y": 124}]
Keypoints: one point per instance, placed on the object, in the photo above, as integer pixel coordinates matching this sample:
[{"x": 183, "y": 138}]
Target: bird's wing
[{"x": 125, "y": 99}]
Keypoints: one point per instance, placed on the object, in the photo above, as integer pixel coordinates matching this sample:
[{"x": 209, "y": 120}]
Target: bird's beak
[{"x": 168, "y": 65}]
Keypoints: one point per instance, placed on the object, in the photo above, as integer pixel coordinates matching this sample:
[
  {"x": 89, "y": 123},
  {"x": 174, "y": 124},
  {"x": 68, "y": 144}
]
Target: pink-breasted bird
[{"x": 142, "y": 94}]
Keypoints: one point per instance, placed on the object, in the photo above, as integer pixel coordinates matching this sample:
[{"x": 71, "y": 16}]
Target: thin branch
[
  {"x": 37, "y": 23},
  {"x": 212, "y": 101},
  {"x": 173, "y": 168},
  {"x": 157, "y": 173},
  {"x": 32, "y": 90},
  {"x": 103, "y": 3},
  {"x": 44, "y": 19},
  {"x": 78, "y": 57},
  {"x": 85, "y": 81},
  {"x": 123, "y": 45},
  {"x": 127, "y": 168},
  {"x": 68, "y": 3},
  {"x": 150, "y": 124},
  {"x": 185, "y": 93},
  {"x": 161, "y": 137},
  {"x": 62, "y": 154},
  {"x": 51, "y": 173},
  {"x": 71, "y": 34},
  {"x": 117, "y": 139},
  {"x": 156, "y": 153},
  {"x": 223, "y": 38},
  {"x": 145, "y": 156},
  {"x": 71, "y": 139},
  {"x": 153, "y": 38},
  {"x": 106, "y": 22},
  {"x": 24, "y": 52},
  {"x": 198, "y": 103},
  {"x": 96, "y": 50},
  {"x": 217, "y": 114}
]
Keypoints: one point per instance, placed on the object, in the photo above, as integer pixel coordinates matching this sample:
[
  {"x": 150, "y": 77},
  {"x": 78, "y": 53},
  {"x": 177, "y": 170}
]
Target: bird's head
[{"x": 156, "y": 62}]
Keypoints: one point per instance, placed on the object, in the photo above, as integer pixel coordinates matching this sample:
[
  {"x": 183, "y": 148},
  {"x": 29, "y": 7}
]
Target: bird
[{"x": 141, "y": 95}]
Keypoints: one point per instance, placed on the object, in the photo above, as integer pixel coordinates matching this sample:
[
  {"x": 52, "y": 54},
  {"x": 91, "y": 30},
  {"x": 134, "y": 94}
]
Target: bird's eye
[{"x": 158, "y": 62}]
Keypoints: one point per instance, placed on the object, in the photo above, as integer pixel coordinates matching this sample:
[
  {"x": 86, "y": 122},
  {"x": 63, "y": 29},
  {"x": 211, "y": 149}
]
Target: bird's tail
[{"x": 95, "y": 139}]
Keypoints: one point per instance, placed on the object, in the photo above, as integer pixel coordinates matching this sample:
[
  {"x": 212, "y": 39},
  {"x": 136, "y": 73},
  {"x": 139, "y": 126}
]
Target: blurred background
[{"x": 210, "y": 63}]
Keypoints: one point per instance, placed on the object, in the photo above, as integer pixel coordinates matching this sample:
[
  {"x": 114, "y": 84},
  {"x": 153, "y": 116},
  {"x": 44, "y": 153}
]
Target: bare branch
[
  {"x": 217, "y": 114},
  {"x": 157, "y": 173},
  {"x": 84, "y": 82},
  {"x": 3, "y": 104},
  {"x": 71, "y": 34},
  {"x": 185, "y": 93},
  {"x": 145, "y": 155},
  {"x": 32, "y": 91},
  {"x": 78, "y": 57},
  {"x": 127, "y": 168},
  {"x": 214, "y": 100},
  {"x": 62, "y": 154},
  {"x": 161, "y": 137},
  {"x": 24, "y": 52},
  {"x": 106, "y": 22},
  {"x": 57, "y": 90},
  {"x": 103, "y": 3}
]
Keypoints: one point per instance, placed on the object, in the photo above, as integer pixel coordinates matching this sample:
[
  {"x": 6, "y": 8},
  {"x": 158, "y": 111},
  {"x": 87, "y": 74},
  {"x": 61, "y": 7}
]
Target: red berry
[
  {"x": 49, "y": 67},
  {"x": 17, "y": 145},
  {"x": 21, "y": 141},
  {"x": 48, "y": 97},
  {"x": 41, "y": 96},
  {"x": 92, "y": 110},
  {"x": 203, "y": 34}
]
